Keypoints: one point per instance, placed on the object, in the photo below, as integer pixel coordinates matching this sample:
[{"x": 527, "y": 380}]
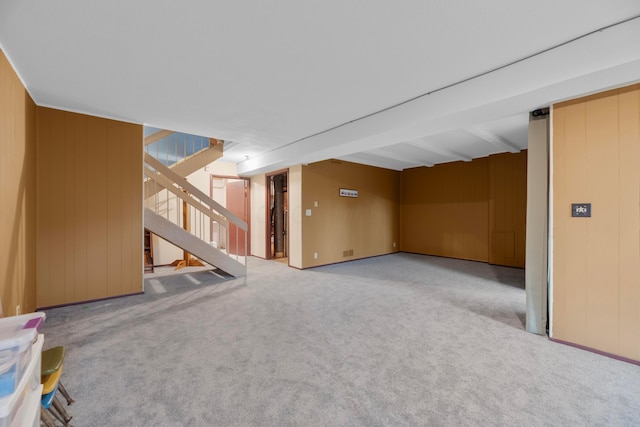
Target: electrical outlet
[
  {"x": 315, "y": 255},
  {"x": 17, "y": 309},
  {"x": 394, "y": 244}
]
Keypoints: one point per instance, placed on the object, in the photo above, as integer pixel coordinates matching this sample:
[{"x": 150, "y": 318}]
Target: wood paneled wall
[
  {"x": 467, "y": 210},
  {"x": 596, "y": 261},
  {"x": 17, "y": 193},
  {"x": 445, "y": 210},
  {"x": 89, "y": 219},
  {"x": 341, "y": 228},
  {"x": 507, "y": 208}
]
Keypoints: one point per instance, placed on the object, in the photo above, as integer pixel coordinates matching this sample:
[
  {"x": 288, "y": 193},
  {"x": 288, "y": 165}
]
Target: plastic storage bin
[
  {"x": 18, "y": 408},
  {"x": 15, "y": 334},
  {"x": 24, "y": 321},
  {"x": 15, "y": 354},
  {"x": 28, "y": 413}
]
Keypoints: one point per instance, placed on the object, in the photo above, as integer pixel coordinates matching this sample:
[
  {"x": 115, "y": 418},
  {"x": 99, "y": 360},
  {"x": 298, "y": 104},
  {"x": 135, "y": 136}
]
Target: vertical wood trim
[
  {"x": 67, "y": 205},
  {"x": 603, "y": 239},
  {"x": 58, "y": 197},
  {"x": 114, "y": 209},
  {"x": 80, "y": 171},
  {"x": 629, "y": 225},
  {"x": 99, "y": 196},
  {"x": 132, "y": 189},
  {"x": 45, "y": 230}
]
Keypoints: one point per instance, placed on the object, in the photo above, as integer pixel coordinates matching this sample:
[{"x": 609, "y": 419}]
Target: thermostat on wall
[{"x": 344, "y": 192}]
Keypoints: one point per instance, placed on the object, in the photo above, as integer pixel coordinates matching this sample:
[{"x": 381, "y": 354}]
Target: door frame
[
  {"x": 267, "y": 222},
  {"x": 247, "y": 187}
]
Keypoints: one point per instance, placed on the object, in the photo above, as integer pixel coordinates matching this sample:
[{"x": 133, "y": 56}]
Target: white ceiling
[{"x": 387, "y": 83}]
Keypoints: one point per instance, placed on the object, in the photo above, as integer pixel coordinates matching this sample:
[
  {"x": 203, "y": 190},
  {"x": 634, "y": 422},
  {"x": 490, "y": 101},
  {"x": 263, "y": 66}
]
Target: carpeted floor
[{"x": 395, "y": 340}]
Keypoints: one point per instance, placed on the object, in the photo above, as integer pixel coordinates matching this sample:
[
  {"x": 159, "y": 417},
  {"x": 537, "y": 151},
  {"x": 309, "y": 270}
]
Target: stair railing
[
  {"x": 183, "y": 204},
  {"x": 172, "y": 147}
]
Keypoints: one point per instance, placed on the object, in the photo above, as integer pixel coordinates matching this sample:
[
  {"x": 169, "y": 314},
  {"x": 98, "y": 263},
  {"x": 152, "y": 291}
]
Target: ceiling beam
[
  {"x": 493, "y": 139},
  {"x": 588, "y": 65},
  {"x": 369, "y": 159},
  {"x": 391, "y": 153},
  {"x": 157, "y": 136},
  {"x": 427, "y": 145}
]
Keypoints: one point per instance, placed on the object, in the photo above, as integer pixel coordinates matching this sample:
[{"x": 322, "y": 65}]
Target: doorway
[
  {"x": 277, "y": 216},
  {"x": 233, "y": 194}
]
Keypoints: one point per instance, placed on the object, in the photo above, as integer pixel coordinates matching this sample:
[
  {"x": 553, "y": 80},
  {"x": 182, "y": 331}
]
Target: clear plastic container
[
  {"x": 28, "y": 413},
  {"x": 15, "y": 323},
  {"x": 15, "y": 354},
  {"x": 18, "y": 407}
]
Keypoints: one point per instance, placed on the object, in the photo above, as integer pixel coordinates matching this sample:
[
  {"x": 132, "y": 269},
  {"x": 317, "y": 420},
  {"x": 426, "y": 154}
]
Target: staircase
[
  {"x": 184, "y": 154},
  {"x": 182, "y": 214}
]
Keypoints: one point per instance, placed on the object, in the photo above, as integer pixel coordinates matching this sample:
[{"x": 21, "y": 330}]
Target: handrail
[
  {"x": 166, "y": 183},
  {"x": 182, "y": 182},
  {"x": 163, "y": 141},
  {"x": 204, "y": 230},
  {"x": 157, "y": 136}
]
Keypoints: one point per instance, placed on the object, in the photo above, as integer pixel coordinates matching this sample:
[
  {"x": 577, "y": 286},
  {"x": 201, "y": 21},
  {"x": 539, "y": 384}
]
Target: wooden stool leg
[
  {"x": 56, "y": 415},
  {"x": 65, "y": 394},
  {"x": 60, "y": 409},
  {"x": 45, "y": 417}
]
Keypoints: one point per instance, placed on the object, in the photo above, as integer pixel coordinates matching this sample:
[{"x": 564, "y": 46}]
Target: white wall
[
  {"x": 537, "y": 223},
  {"x": 294, "y": 191},
  {"x": 258, "y": 212}
]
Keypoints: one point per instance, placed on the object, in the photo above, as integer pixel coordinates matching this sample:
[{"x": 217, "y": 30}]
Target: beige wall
[
  {"x": 294, "y": 192},
  {"x": 467, "y": 210},
  {"x": 258, "y": 218},
  {"x": 89, "y": 213},
  {"x": 596, "y": 261},
  {"x": 366, "y": 225},
  {"x": 17, "y": 194}
]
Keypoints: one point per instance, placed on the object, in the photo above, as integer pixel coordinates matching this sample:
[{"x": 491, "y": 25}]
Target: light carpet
[{"x": 400, "y": 339}]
